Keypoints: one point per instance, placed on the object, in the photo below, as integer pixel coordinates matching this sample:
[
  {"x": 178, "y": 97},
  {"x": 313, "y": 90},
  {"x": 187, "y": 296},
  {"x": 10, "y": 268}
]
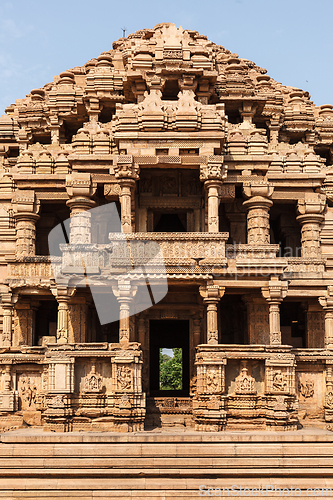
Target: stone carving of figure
[
  {"x": 279, "y": 381},
  {"x": 244, "y": 382}
]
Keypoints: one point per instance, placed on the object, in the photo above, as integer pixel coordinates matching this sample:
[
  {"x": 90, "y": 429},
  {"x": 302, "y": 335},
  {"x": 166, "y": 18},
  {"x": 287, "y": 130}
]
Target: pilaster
[
  {"x": 212, "y": 175},
  {"x": 80, "y": 189},
  {"x": 274, "y": 293},
  {"x": 257, "y": 207},
  {"x": 211, "y": 296},
  {"x": 26, "y": 209},
  {"x": 127, "y": 173},
  {"x": 310, "y": 210},
  {"x": 125, "y": 293}
]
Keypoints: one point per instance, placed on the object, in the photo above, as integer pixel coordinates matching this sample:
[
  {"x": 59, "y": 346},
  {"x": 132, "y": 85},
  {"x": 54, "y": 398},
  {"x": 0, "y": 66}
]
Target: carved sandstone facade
[{"x": 231, "y": 174}]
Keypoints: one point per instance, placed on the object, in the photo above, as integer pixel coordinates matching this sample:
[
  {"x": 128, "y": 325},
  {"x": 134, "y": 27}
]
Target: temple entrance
[{"x": 169, "y": 358}]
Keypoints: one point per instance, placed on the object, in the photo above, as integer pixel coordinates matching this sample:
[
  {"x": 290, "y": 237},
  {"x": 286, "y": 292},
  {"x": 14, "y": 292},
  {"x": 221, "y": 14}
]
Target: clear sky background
[{"x": 292, "y": 39}]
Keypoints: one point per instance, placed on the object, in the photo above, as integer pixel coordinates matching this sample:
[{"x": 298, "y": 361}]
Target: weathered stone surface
[{"x": 228, "y": 174}]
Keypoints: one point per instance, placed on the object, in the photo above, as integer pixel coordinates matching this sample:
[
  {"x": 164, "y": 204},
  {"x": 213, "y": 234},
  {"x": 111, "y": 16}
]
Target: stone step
[{"x": 159, "y": 465}]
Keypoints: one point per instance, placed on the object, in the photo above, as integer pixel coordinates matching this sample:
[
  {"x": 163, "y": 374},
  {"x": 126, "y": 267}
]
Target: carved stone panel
[
  {"x": 310, "y": 388},
  {"x": 29, "y": 388}
]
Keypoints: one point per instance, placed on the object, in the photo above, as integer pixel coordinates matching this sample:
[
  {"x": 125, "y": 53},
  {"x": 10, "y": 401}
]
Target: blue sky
[{"x": 291, "y": 39}]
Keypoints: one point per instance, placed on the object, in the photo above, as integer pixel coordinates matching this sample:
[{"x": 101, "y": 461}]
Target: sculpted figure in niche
[
  {"x": 211, "y": 381},
  {"x": 279, "y": 381},
  {"x": 28, "y": 393},
  {"x": 306, "y": 388},
  {"x": 124, "y": 377},
  {"x": 244, "y": 382}
]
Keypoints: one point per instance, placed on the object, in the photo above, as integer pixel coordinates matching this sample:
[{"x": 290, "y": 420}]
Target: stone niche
[
  {"x": 255, "y": 369},
  {"x": 29, "y": 389},
  {"x": 310, "y": 389}
]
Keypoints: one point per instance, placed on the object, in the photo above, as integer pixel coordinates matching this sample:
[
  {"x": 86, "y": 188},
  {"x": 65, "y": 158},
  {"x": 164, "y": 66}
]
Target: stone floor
[{"x": 162, "y": 465}]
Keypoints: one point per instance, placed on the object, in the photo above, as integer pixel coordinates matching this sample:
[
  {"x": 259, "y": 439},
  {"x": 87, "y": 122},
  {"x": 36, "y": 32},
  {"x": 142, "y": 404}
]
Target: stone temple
[{"x": 229, "y": 174}]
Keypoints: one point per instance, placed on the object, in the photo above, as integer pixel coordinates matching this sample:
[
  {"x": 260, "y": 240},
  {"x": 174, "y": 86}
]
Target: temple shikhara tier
[{"x": 229, "y": 174}]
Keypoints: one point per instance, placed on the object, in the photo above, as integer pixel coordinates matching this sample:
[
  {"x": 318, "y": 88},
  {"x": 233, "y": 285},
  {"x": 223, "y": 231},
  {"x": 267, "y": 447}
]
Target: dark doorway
[
  {"x": 293, "y": 323},
  {"x": 232, "y": 320},
  {"x": 169, "y": 334},
  {"x": 170, "y": 223}
]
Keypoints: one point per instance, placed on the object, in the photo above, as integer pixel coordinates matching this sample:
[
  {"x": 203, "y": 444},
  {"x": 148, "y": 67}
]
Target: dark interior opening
[
  {"x": 171, "y": 90},
  {"x": 169, "y": 334},
  {"x": 170, "y": 223},
  {"x": 232, "y": 320},
  {"x": 293, "y": 323},
  {"x": 46, "y": 320},
  {"x": 51, "y": 214},
  {"x": 108, "y": 305}
]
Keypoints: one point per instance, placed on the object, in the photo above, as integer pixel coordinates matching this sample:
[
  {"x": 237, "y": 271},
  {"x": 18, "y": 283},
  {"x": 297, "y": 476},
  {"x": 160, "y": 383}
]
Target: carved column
[
  {"x": 274, "y": 293},
  {"x": 127, "y": 173},
  {"x": 7, "y": 322},
  {"x": 124, "y": 293},
  {"x": 211, "y": 295},
  {"x": 26, "y": 209},
  {"x": 80, "y": 189},
  {"x": 310, "y": 217},
  {"x": 327, "y": 304},
  {"x": 257, "y": 207},
  {"x": 63, "y": 295},
  {"x": 212, "y": 175}
]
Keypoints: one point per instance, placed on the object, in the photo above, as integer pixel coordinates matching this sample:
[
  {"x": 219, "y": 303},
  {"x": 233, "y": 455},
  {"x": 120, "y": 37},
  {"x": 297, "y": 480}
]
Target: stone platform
[{"x": 162, "y": 465}]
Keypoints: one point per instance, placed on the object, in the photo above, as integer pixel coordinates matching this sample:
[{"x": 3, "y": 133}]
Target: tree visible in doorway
[{"x": 171, "y": 370}]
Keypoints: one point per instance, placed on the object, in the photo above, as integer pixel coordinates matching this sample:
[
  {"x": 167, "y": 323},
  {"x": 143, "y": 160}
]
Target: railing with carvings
[
  {"x": 173, "y": 246},
  {"x": 243, "y": 251},
  {"x": 33, "y": 267},
  {"x": 304, "y": 265}
]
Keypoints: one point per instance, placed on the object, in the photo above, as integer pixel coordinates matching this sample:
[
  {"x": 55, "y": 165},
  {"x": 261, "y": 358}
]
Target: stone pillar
[
  {"x": 26, "y": 209},
  {"x": 257, "y": 207},
  {"x": 327, "y": 304},
  {"x": 127, "y": 173},
  {"x": 274, "y": 293},
  {"x": 212, "y": 175},
  {"x": 80, "y": 189},
  {"x": 7, "y": 322},
  {"x": 310, "y": 217},
  {"x": 124, "y": 293},
  {"x": 63, "y": 295},
  {"x": 211, "y": 295}
]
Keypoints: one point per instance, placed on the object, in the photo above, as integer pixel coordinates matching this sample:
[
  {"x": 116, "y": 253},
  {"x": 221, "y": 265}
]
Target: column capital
[
  {"x": 80, "y": 188},
  {"x": 260, "y": 189},
  {"x": 124, "y": 290},
  {"x": 126, "y": 169},
  {"x": 211, "y": 293},
  {"x": 25, "y": 205},
  {"x": 327, "y": 300},
  {"x": 276, "y": 290},
  {"x": 80, "y": 185},
  {"x": 312, "y": 203},
  {"x": 214, "y": 170}
]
